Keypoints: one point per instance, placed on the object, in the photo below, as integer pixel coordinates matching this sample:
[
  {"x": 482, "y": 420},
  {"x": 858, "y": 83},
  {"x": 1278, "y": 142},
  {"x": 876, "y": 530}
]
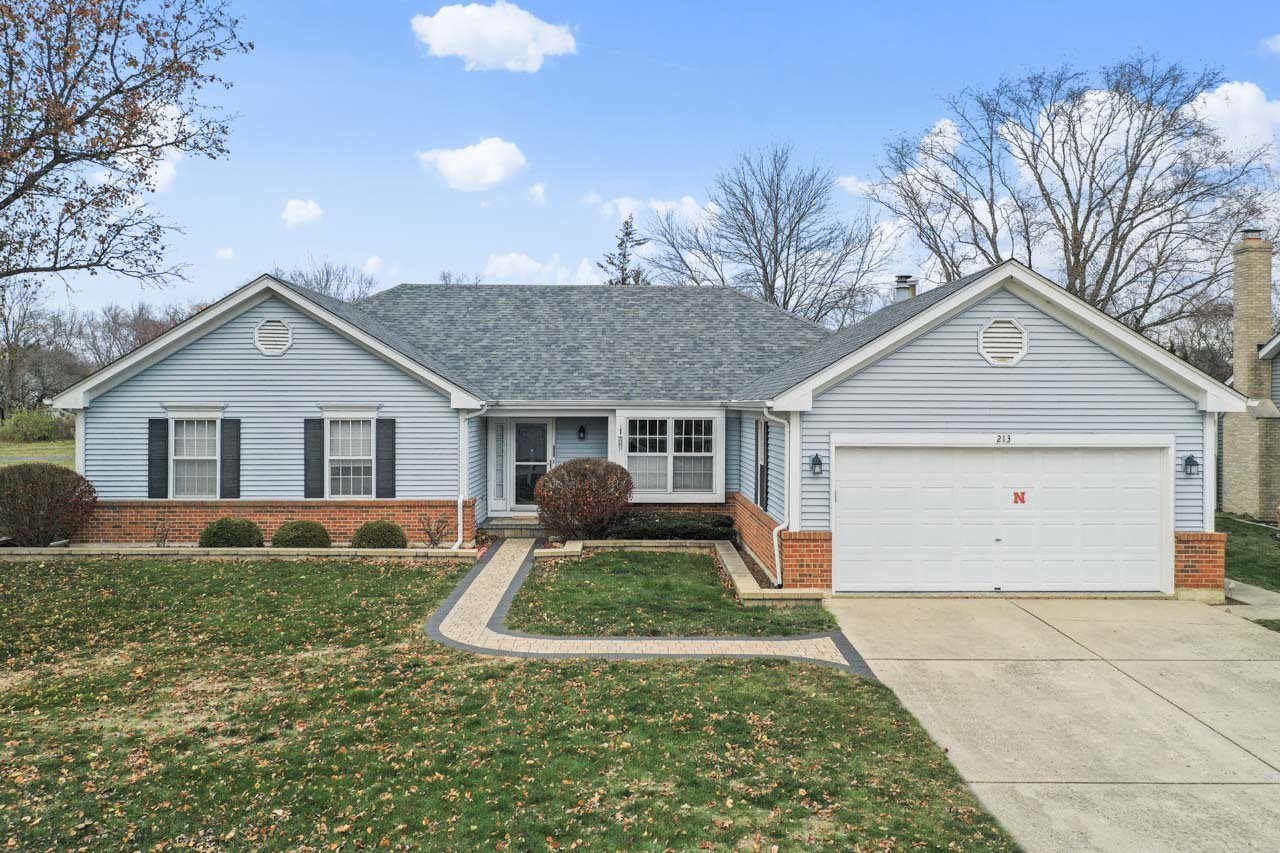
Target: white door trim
[
  {"x": 550, "y": 425},
  {"x": 1013, "y": 441}
]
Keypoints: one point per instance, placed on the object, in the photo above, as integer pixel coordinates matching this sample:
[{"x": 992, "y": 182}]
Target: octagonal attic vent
[
  {"x": 272, "y": 337},
  {"x": 1003, "y": 342}
]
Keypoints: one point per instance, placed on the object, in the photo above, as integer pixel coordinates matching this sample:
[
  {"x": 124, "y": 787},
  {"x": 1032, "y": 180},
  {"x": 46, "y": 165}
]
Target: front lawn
[
  {"x": 55, "y": 452},
  {"x": 298, "y": 705},
  {"x": 1253, "y": 556},
  {"x": 649, "y": 594}
]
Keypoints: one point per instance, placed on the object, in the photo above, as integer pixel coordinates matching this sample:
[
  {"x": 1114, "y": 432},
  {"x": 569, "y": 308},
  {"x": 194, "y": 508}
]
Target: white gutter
[
  {"x": 462, "y": 465},
  {"x": 786, "y": 479}
]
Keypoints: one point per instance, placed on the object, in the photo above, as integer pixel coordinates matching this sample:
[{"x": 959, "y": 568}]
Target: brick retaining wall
[{"x": 1200, "y": 564}]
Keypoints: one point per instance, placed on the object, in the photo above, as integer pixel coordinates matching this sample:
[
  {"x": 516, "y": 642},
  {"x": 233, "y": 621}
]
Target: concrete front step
[{"x": 514, "y": 528}]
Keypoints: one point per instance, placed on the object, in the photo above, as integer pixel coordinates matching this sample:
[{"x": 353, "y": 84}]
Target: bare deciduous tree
[
  {"x": 341, "y": 281},
  {"x": 771, "y": 229},
  {"x": 116, "y": 330},
  {"x": 96, "y": 95},
  {"x": 451, "y": 277},
  {"x": 1116, "y": 183}
]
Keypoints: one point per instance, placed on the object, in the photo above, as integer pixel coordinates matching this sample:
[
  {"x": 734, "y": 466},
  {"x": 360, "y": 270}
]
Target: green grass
[
  {"x": 1252, "y": 555},
  {"x": 1273, "y": 624},
  {"x": 639, "y": 593},
  {"x": 298, "y": 705},
  {"x": 58, "y": 452}
]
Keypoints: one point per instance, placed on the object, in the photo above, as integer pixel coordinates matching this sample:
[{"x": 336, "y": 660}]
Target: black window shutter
[
  {"x": 158, "y": 458},
  {"x": 386, "y": 462},
  {"x": 230, "y": 473},
  {"x": 313, "y": 458},
  {"x": 762, "y": 471}
]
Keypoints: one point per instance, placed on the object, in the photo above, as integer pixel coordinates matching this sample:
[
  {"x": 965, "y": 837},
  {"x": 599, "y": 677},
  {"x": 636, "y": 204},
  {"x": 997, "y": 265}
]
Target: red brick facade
[
  {"x": 1199, "y": 561},
  {"x": 755, "y": 530},
  {"x": 135, "y": 521},
  {"x": 806, "y": 559}
]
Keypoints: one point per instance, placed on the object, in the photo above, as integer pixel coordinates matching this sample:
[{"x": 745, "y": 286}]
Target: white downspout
[
  {"x": 463, "y": 461},
  {"x": 786, "y": 480}
]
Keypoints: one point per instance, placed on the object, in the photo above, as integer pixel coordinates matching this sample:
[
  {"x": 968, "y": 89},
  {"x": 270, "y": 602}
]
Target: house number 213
[{"x": 1004, "y": 438}]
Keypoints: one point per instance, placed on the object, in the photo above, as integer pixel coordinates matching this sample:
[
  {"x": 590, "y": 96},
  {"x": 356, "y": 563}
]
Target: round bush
[
  {"x": 37, "y": 425},
  {"x": 231, "y": 532},
  {"x": 42, "y": 503},
  {"x": 300, "y": 534},
  {"x": 380, "y": 534},
  {"x": 582, "y": 498}
]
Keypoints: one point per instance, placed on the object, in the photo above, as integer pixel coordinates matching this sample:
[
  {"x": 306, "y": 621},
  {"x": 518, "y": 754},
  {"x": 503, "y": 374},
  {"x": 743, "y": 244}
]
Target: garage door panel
[{"x": 981, "y": 518}]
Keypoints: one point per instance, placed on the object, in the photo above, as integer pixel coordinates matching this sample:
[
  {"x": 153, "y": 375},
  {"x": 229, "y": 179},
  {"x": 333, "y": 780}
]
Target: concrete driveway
[{"x": 1093, "y": 724}]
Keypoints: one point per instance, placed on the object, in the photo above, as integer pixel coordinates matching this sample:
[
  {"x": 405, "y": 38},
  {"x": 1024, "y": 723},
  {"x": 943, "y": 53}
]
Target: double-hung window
[
  {"x": 674, "y": 456},
  {"x": 350, "y": 458},
  {"x": 194, "y": 457}
]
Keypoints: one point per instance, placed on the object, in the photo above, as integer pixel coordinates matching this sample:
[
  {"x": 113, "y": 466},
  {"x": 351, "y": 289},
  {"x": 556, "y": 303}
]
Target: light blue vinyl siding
[
  {"x": 478, "y": 465},
  {"x": 272, "y": 396},
  {"x": 777, "y": 457},
  {"x": 569, "y": 446},
  {"x": 940, "y": 383},
  {"x": 732, "y": 451},
  {"x": 1275, "y": 379}
]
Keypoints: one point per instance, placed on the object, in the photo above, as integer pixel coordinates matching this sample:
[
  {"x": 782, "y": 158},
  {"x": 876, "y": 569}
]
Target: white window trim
[
  {"x": 206, "y": 413},
  {"x": 762, "y": 460},
  {"x": 716, "y": 416},
  {"x": 1026, "y": 341},
  {"x": 332, "y": 414}
]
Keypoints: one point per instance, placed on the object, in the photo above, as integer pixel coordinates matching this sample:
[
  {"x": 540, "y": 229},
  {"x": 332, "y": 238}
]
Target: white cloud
[
  {"x": 853, "y": 185},
  {"x": 501, "y": 36},
  {"x": 1272, "y": 44},
  {"x": 621, "y": 207},
  {"x": 373, "y": 265},
  {"x": 1242, "y": 114},
  {"x": 538, "y": 194},
  {"x": 166, "y": 171},
  {"x": 298, "y": 212},
  {"x": 519, "y": 268},
  {"x": 476, "y": 167},
  {"x": 227, "y": 254}
]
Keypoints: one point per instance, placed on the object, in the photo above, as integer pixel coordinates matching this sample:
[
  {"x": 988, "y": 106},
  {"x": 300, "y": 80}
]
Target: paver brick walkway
[{"x": 472, "y": 619}]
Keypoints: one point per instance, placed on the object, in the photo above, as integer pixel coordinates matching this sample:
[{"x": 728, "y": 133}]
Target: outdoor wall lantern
[
  {"x": 815, "y": 465},
  {"x": 582, "y": 433},
  {"x": 1190, "y": 466}
]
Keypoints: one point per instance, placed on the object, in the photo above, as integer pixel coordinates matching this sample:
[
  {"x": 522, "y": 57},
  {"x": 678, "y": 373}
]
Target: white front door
[
  {"x": 530, "y": 456},
  {"x": 984, "y": 518}
]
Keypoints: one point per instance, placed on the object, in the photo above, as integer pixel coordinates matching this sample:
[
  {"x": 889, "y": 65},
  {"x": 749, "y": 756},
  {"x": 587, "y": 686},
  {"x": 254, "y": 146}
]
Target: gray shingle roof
[
  {"x": 847, "y": 340},
  {"x": 539, "y": 342}
]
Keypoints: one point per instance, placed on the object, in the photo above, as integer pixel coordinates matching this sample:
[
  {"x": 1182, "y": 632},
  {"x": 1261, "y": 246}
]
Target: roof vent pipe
[{"x": 904, "y": 287}]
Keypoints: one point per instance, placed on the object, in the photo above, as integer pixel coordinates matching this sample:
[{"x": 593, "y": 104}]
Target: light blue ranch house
[{"x": 992, "y": 434}]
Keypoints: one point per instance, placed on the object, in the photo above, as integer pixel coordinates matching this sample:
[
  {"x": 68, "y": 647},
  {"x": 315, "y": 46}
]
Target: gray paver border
[{"x": 854, "y": 663}]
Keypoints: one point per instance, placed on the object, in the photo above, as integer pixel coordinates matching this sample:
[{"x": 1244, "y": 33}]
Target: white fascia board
[
  {"x": 1208, "y": 393},
  {"x": 79, "y": 396},
  {"x": 1004, "y": 441},
  {"x": 1270, "y": 348}
]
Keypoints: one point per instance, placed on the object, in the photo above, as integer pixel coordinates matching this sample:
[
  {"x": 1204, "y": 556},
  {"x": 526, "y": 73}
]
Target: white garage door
[{"x": 1007, "y": 519}]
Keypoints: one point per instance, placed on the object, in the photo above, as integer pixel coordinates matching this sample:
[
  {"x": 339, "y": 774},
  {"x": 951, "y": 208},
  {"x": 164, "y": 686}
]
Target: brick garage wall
[
  {"x": 134, "y": 522},
  {"x": 1200, "y": 564},
  {"x": 806, "y": 559}
]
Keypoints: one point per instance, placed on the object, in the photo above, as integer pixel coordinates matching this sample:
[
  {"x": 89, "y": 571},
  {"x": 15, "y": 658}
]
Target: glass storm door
[{"x": 530, "y": 456}]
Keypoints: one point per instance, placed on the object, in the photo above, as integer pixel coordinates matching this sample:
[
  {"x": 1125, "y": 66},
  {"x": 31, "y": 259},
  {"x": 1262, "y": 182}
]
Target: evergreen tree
[{"x": 621, "y": 267}]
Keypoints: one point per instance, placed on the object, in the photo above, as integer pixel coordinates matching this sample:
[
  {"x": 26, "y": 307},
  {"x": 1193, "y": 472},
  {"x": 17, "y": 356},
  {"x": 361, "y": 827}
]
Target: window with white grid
[
  {"x": 693, "y": 455},
  {"x": 195, "y": 458},
  {"x": 350, "y": 458},
  {"x": 648, "y": 453}
]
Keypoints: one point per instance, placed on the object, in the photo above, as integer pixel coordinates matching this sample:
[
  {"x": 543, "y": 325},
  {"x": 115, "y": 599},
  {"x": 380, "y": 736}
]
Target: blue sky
[{"x": 338, "y": 99}]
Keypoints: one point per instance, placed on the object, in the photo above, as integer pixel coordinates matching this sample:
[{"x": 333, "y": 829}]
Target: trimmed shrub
[
  {"x": 582, "y": 498},
  {"x": 231, "y": 532},
  {"x": 673, "y": 525},
  {"x": 300, "y": 534},
  {"x": 42, "y": 503},
  {"x": 379, "y": 534},
  {"x": 37, "y": 425}
]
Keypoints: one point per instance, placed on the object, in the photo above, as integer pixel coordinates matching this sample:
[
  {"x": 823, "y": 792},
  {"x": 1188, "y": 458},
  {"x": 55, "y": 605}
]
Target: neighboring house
[
  {"x": 1251, "y": 439},
  {"x": 995, "y": 433}
]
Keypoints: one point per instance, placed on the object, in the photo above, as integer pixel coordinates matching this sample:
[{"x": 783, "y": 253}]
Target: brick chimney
[{"x": 1251, "y": 440}]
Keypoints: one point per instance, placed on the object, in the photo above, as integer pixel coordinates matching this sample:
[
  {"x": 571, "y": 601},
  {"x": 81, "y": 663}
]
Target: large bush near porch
[
  {"x": 42, "y": 503},
  {"x": 582, "y": 498}
]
